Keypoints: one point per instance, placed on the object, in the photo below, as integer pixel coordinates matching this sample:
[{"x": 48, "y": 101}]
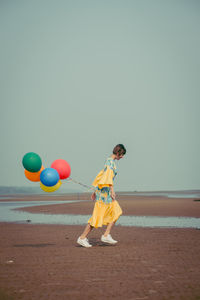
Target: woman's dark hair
[{"x": 119, "y": 149}]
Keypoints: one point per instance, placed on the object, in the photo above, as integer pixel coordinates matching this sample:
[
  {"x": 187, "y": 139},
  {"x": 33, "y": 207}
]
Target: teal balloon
[{"x": 32, "y": 162}]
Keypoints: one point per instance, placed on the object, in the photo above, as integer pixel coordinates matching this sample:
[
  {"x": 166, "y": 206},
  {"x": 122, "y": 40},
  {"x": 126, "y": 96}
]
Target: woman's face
[{"x": 119, "y": 156}]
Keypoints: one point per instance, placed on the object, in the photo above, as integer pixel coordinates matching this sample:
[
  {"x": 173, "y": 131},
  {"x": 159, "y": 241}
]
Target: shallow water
[{"x": 9, "y": 214}]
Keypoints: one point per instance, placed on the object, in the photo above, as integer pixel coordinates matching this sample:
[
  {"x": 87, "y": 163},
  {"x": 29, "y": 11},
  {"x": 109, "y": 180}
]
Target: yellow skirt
[{"x": 104, "y": 214}]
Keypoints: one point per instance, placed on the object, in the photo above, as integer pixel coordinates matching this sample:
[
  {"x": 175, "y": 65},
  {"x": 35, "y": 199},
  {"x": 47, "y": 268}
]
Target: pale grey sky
[{"x": 79, "y": 77}]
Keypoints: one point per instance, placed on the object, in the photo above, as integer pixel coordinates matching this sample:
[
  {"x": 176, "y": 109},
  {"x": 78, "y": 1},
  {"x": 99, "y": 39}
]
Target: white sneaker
[
  {"x": 84, "y": 242},
  {"x": 108, "y": 239}
]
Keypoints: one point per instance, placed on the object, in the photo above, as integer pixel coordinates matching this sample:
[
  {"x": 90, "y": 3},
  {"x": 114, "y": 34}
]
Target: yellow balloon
[{"x": 50, "y": 189}]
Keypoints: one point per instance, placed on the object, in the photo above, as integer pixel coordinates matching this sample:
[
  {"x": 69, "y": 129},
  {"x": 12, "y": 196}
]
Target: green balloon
[{"x": 32, "y": 162}]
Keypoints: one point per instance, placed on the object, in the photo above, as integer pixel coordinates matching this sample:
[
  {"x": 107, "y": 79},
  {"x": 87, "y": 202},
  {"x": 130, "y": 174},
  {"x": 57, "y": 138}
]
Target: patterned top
[{"x": 104, "y": 180}]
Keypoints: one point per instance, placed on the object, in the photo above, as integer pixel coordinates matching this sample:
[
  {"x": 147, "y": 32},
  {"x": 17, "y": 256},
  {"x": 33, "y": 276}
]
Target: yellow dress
[{"x": 105, "y": 210}]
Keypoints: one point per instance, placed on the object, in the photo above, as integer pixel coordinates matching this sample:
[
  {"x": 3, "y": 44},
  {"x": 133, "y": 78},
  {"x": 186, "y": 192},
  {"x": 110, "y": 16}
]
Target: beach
[{"x": 40, "y": 261}]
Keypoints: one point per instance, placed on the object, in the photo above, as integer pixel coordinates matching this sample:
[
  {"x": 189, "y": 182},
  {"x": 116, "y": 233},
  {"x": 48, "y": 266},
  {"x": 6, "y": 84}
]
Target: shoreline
[{"x": 131, "y": 205}]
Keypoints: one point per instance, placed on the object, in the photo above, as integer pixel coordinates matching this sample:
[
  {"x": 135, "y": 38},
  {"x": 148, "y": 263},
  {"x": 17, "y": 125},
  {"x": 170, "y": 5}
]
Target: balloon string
[{"x": 84, "y": 185}]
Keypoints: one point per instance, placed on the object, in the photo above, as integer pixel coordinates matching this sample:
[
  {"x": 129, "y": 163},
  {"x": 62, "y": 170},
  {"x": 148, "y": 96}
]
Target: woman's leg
[
  {"x": 86, "y": 231},
  {"x": 106, "y": 238},
  {"x": 108, "y": 229}
]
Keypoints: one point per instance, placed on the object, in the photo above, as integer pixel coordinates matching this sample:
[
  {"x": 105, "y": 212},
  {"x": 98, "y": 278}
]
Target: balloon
[
  {"x": 32, "y": 162},
  {"x": 50, "y": 189},
  {"x": 63, "y": 168},
  {"x": 33, "y": 176},
  {"x": 49, "y": 177}
]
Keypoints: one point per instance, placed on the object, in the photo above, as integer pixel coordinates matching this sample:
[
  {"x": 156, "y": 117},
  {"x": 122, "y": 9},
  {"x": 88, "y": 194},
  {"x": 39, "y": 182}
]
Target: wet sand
[
  {"x": 131, "y": 205},
  {"x": 44, "y": 261}
]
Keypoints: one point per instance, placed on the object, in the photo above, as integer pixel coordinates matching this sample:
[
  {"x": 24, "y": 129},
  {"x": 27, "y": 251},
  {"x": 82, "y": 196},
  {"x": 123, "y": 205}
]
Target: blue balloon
[{"x": 49, "y": 177}]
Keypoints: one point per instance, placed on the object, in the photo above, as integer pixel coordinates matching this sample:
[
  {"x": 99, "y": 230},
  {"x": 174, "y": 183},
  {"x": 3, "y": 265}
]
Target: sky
[{"x": 79, "y": 77}]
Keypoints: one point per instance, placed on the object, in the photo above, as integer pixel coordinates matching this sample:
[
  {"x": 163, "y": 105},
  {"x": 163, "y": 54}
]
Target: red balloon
[{"x": 62, "y": 167}]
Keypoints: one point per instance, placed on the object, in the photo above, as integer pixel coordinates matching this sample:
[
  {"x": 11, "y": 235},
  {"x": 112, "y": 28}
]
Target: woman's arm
[
  {"x": 112, "y": 193},
  {"x": 93, "y": 196}
]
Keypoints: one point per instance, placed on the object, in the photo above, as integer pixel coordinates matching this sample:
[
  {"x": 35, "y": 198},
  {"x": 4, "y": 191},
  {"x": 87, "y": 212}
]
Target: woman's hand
[
  {"x": 113, "y": 195},
  {"x": 93, "y": 196}
]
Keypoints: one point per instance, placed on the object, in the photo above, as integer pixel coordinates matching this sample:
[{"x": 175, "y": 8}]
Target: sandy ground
[{"x": 44, "y": 261}]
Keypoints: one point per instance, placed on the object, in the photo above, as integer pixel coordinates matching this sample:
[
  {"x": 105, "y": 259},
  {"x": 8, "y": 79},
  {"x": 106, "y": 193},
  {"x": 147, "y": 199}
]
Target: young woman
[{"x": 106, "y": 210}]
